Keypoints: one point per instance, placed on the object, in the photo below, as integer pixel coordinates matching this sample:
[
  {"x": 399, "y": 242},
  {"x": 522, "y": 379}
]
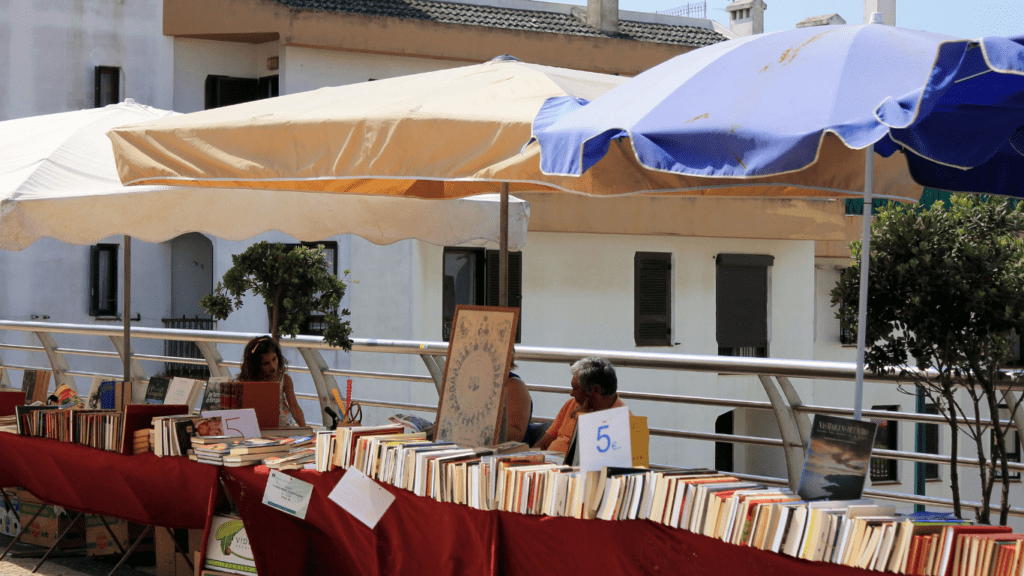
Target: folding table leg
[
  {"x": 117, "y": 541},
  {"x": 57, "y": 543},
  {"x": 24, "y": 526},
  {"x": 130, "y": 550},
  {"x": 184, "y": 554}
]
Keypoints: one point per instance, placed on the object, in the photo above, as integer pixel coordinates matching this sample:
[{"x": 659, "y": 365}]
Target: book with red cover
[
  {"x": 263, "y": 397},
  {"x": 948, "y": 562},
  {"x": 139, "y": 416},
  {"x": 9, "y": 399}
]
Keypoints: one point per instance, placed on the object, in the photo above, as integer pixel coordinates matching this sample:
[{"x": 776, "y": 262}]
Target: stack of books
[
  {"x": 301, "y": 453},
  {"x": 142, "y": 441},
  {"x": 253, "y": 451},
  {"x": 212, "y": 449}
]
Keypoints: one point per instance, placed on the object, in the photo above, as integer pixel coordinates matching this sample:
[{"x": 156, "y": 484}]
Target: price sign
[{"x": 604, "y": 439}]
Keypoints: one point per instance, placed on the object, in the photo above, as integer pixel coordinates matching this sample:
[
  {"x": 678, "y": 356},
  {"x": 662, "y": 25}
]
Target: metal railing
[{"x": 791, "y": 414}]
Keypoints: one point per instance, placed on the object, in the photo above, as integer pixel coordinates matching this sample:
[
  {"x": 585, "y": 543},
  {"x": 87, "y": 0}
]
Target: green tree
[
  {"x": 293, "y": 281},
  {"x": 945, "y": 293}
]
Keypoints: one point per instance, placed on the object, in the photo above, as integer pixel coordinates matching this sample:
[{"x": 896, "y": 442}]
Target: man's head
[{"x": 593, "y": 382}]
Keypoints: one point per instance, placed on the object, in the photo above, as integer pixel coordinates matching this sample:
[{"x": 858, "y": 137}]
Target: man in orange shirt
[{"x": 594, "y": 388}]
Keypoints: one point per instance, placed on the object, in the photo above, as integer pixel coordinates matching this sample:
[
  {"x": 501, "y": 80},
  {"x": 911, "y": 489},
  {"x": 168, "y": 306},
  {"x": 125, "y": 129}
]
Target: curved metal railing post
[
  {"x": 58, "y": 364},
  {"x": 213, "y": 359},
  {"x": 792, "y": 445},
  {"x": 802, "y": 421},
  {"x": 323, "y": 382},
  {"x": 436, "y": 370}
]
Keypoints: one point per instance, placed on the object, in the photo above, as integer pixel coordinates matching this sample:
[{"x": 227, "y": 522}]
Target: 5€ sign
[{"x": 604, "y": 439}]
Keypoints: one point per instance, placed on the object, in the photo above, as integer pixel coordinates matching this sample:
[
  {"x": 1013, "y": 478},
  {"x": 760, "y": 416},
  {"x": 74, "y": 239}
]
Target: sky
[{"x": 962, "y": 18}]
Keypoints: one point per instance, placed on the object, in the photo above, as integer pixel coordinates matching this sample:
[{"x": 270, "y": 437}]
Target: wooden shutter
[
  {"x": 515, "y": 284},
  {"x": 741, "y": 300},
  {"x": 652, "y": 299}
]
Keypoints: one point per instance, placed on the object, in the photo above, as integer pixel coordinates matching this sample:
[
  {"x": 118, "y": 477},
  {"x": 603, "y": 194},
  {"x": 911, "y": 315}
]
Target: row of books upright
[
  {"x": 96, "y": 428},
  {"x": 856, "y": 533}
]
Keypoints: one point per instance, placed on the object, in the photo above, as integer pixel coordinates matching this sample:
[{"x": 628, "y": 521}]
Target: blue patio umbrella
[{"x": 761, "y": 106}]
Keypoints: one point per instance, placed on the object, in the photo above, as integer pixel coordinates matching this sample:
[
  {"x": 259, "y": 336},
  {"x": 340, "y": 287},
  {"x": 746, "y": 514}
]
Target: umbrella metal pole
[
  {"x": 862, "y": 308},
  {"x": 127, "y": 308},
  {"x": 503, "y": 248}
]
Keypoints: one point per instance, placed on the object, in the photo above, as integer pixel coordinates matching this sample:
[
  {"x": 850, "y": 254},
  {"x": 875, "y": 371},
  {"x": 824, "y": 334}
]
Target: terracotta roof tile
[{"x": 510, "y": 19}]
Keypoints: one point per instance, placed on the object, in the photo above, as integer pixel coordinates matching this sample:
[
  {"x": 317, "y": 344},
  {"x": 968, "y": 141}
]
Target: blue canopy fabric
[{"x": 760, "y": 106}]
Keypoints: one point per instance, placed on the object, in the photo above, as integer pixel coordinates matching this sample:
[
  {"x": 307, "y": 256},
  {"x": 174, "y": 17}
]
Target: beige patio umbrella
[{"x": 58, "y": 180}]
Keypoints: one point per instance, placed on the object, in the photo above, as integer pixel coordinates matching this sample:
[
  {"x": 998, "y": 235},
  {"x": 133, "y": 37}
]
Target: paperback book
[{"x": 836, "y": 463}]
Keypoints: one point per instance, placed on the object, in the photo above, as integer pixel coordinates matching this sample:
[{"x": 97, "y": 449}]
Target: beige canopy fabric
[
  {"x": 445, "y": 134},
  {"x": 58, "y": 180}
]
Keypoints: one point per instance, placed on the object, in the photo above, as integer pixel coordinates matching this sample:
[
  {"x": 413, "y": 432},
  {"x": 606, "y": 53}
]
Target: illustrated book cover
[
  {"x": 836, "y": 463},
  {"x": 472, "y": 401}
]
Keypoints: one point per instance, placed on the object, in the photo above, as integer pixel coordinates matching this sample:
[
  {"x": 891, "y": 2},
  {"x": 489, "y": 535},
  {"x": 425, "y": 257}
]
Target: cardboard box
[
  {"x": 97, "y": 538},
  {"x": 168, "y": 561},
  {"x": 49, "y": 524},
  {"x": 228, "y": 549},
  {"x": 10, "y": 522}
]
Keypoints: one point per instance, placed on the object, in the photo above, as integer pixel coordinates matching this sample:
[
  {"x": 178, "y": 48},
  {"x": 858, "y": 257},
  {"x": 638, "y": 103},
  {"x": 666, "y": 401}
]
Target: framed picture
[{"x": 472, "y": 402}]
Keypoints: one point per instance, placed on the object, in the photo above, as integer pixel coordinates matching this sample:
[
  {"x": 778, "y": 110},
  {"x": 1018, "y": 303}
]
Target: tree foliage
[
  {"x": 945, "y": 293},
  {"x": 293, "y": 282}
]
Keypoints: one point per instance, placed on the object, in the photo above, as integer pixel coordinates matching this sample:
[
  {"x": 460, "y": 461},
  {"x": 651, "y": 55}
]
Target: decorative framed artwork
[{"x": 472, "y": 402}]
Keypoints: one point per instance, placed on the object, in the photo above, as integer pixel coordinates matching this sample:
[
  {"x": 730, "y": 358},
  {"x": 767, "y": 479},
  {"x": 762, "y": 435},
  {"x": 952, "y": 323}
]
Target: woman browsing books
[{"x": 263, "y": 361}]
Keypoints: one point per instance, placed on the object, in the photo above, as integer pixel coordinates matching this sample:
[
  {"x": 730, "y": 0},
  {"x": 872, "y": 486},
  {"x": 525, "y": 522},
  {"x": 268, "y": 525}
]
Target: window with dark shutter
[
  {"x": 515, "y": 284},
  {"x": 652, "y": 299},
  {"x": 470, "y": 276},
  {"x": 886, "y": 438},
  {"x": 225, "y": 90},
  {"x": 107, "y": 86},
  {"x": 741, "y": 304},
  {"x": 103, "y": 280}
]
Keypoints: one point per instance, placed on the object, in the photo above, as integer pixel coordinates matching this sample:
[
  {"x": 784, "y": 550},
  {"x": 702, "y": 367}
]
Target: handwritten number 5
[{"x": 605, "y": 437}]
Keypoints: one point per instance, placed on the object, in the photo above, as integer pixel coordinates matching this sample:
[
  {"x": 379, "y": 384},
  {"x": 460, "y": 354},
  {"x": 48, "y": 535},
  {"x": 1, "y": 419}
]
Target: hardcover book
[
  {"x": 35, "y": 384},
  {"x": 114, "y": 395},
  {"x": 157, "y": 390},
  {"x": 836, "y": 463},
  {"x": 263, "y": 397}
]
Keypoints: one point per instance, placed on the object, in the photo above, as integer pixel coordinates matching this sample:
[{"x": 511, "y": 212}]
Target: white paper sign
[
  {"x": 603, "y": 439},
  {"x": 361, "y": 497},
  {"x": 287, "y": 494},
  {"x": 240, "y": 422}
]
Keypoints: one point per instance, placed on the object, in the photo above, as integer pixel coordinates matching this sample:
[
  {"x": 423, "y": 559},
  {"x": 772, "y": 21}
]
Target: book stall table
[
  {"x": 168, "y": 492},
  {"x": 421, "y": 535}
]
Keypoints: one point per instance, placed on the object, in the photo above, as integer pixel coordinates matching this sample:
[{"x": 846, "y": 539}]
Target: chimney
[
  {"x": 746, "y": 17},
  {"x": 887, "y": 8},
  {"x": 603, "y": 15}
]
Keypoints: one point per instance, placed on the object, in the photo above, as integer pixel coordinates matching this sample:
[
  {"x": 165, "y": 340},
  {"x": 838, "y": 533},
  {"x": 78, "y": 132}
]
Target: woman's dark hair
[{"x": 253, "y": 358}]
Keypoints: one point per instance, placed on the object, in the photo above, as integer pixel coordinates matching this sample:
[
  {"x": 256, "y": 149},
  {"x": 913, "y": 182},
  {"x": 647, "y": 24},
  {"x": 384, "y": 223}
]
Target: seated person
[
  {"x": 594, "y": 388},
  {"x": 519, "y": 408}
]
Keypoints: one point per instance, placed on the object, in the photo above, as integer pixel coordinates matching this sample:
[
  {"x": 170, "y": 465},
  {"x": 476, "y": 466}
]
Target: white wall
[
  {"x": 50, "y": 48},
  {"x": 49, "y": 282},
  {"x": 305, "y": 69}
]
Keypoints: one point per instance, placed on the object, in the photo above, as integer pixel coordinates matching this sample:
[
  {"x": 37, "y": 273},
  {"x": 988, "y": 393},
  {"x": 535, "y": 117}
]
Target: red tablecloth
[
  {"x": 415, "y": 536},
  {"x": 172, "y": 492},
  {"x": 420, "y": 536}
]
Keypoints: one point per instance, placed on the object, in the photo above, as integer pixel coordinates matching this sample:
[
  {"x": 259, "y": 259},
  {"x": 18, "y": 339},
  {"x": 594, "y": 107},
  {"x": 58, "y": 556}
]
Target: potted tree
[{"x": 294, "y": 281}]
